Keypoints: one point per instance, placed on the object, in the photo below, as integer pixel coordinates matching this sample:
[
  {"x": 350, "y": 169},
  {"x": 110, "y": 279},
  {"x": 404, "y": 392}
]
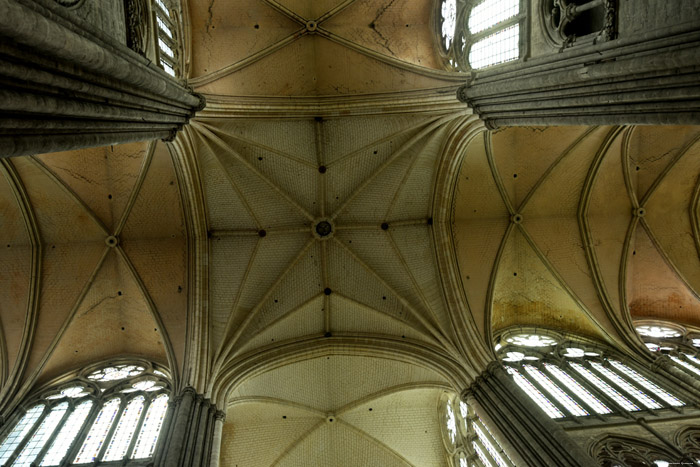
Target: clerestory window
[
  {"x": 480, "y": 33},
  {"x": 152, "y": 31},
  {"x": 567, "y": 381},
  {"x": 467, "y": 438},
  {"x": 105, "y": 414}
]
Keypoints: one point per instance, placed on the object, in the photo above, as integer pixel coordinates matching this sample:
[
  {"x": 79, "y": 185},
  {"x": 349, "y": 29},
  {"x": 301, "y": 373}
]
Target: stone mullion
[
  {"x": 573, "y": 375},
  {"x": 112, "y": 429},
  {"x": 497, "y": 446},
  {"x": 545, "y": 393},
  {"x": 146, "y": 405},
  {"x": 616, "y": 408},
  {"x": 56, "y": 431},
  {"x": 82, "y": 434}
]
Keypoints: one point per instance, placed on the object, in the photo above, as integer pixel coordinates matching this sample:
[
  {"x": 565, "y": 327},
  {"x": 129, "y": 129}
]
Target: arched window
[
  {"x": 153, "y": 31},
  {"x": 678, "y": 343},
  {"x": 467, "y": 438},
  {"x": 617, "y": 451},
  {"x": 107, "y": 413},
  {"x": 480, "y": 33},
  {"x": 570, "y": 380}
]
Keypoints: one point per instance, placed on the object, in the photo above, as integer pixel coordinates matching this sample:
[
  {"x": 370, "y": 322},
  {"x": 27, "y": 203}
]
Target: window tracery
[
  {"x": 570, "y": 21},
  {"x": 107, "y": 413},
  {"x": 617, "y": 451},
  {"x": 479, "y": 33},
  {"x": 678, "y": 343},
  {"x": 468, "y": 439},
  {"x": 578, "y": 380}
]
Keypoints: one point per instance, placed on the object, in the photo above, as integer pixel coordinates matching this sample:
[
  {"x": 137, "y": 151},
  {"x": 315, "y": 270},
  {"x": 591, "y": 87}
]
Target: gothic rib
[
  {"x": 8, "y": 170},
  {"x": 79, "y": 201}
]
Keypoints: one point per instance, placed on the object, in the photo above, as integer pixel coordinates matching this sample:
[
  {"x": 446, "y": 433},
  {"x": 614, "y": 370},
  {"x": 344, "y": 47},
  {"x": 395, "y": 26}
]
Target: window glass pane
[
  {"x": 499, "y": 47},
  {"x": 449, "y": 21},
  {"x": 97, "y": 434},
  {"x": 18, "y": 433},
  {"x": 482, "y": 456},
  {"x": 41, "y": 435},
  {"x": 125, "y": 430},
  {"x": 555, "y": 391},
  {"x": 164, "y": 27},
  {"x": 451, "y": 423},
  {"x": 535, "y": 394},
  {"x": 491, "y": 12},
  {"x": 165, "y": 8},
  {"x": 66, "y": 436},
  {"x": 146, "y": 442},
  {"x": 168, "y": 69},
  {"x": 627, "y": 371},
  {"x": 489, "y": 447},
  {"x": 604, "y": 387},
  {"x": 625, "y": 386},
  {"x": 657, "y": 331},
  {"x": 579, "y": 390},
  {"x": 166, "y": 49},
  {"x": 531, "y": 340}
]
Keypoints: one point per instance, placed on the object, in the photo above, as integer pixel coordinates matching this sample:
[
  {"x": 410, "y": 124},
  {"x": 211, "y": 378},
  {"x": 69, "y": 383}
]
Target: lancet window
[
  {"x": 468, "y": 440},
  {"x": 574, "y": 380},
  {"x": 113, "y": 412},
  {"x": 480, "y": 33}
]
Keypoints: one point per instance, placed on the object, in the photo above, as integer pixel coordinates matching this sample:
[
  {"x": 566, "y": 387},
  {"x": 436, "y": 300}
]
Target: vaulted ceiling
[{"x": 333, "y": 242}]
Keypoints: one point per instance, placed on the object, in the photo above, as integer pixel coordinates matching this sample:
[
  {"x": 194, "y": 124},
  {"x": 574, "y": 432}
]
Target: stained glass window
[
  {"x": 125, "y": 430},
  {"x": 495, "y": 455},
  {"x": 531, "y": 340},
  {"x": 644, "y": 382},
  {"x": 549, "y": 408},
  {"x": 482, "y": 457},
  {"x": 577, "y": 389},
  {"x": 500, "y": 47},
  {"x": 20, "y": 430},
  {"x": 563, "y": 398},
  {"x": 625, "y": 386},
  {"x": 98, "y": 433},
  {"x": 115, "y": 373},
  {"x": 67, "y": 435},
  {"x": 451, "y": 422},
  {"x": 449, "y": 21},
  {"x": 146, "y": 442},
  {"x": 604, "y": 387},
  {"x": 41, "y": 435},
  {"x": 687, "y": 365}
]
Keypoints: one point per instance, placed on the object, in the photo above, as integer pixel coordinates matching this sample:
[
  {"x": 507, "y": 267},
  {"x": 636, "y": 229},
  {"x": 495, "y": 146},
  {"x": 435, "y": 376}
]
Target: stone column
[
  {"x": 522, "y": 428},
  {"x": 219, "y": 419},
  {"x": 190, "y": 436},
  {"x": 68, "y": 86},
  {"x": 648, "y": 78}
]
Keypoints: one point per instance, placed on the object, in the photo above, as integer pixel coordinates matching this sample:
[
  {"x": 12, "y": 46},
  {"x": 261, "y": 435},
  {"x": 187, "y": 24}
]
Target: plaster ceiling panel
[
  {"x": 360, "y": 137},
  {"x": 346, "y": 175},
  {"x": 230, "y": 259},
  {"x": 351, "y": 317},
  {"x": 527, "y": 293},
  {"x": 651, "y": 149},
  {"x": 405, "y": 421},
  {"x": 157, "y": 211},
  {"x": 308, "y": 319},
  {"x": 331, "y": 383},
  {"x": 260, "y": 432},
  {"x": 160, "y": 269},
  {"x": 225, "y": 33},
  {"x": 362, "y": 205},
  {"x": 226, "y": 207},
  {"x": 654, "y": 289},
  {"x": 669, "y": 215},
  {"x": 607, "y": 219},
  {"x": 301, "y": 283},
  {"x": 113, "y": 319},
  {"x": 66, "y": 271},
  {"x": 480, "y": 222},
  {"x": 293, "y": 175},
  {"x": 339, "y": 445},
  {"x": 311, "y": 9},
  {"x": 522, "y": 155},
  {"x": 289, "y": 71},
  {"x": 13, "y": 230},
  {"x": 400, "y": 29},
  {"x": 342, "y": 70},
  {"x": 269, "y": 205},
  {"x": 60, "y": 215},
  {"x": 353, "y": 278},
  {"x": 102, "y": 177}
]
